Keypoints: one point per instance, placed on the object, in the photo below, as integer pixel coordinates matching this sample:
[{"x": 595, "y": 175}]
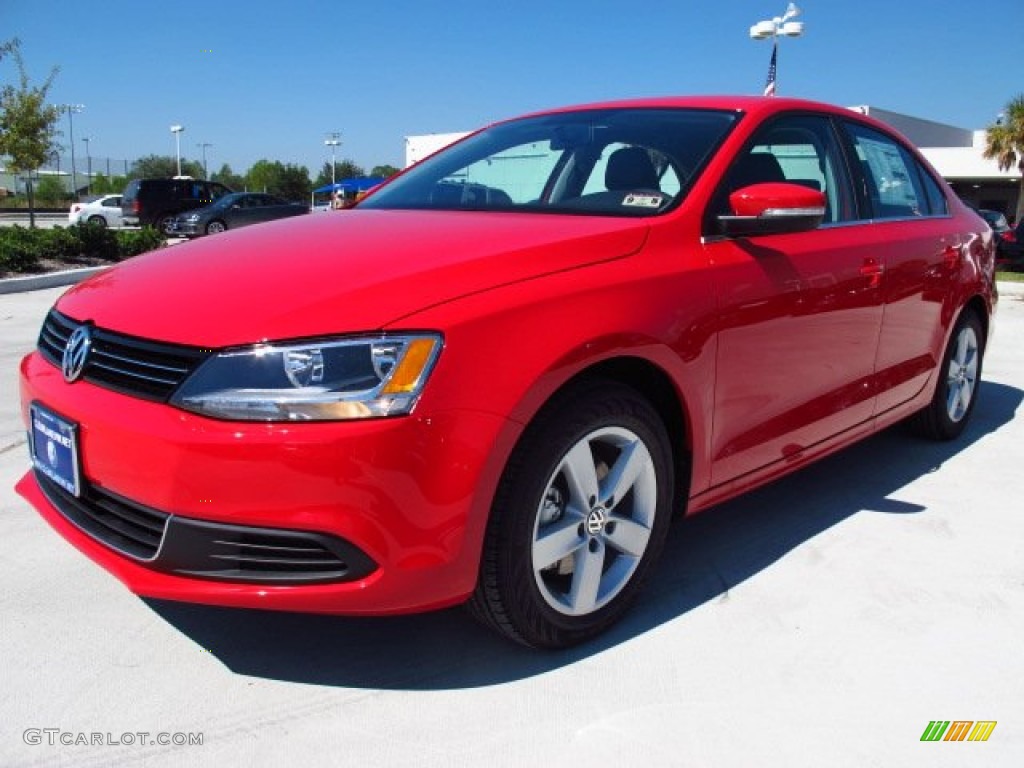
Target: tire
[
  {"x": 163, "y": 223},
  {"x": 98, "y": 221},
  {"x": 567, "y": 547},
  {"x": 956, "y": 391},
  {"x": 216, "y": 227}
]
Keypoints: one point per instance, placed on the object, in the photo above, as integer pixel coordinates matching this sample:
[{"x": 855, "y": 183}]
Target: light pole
[
  {"x": 72, "y": 109},
  {"x": 176, "y": 130},
  {"x": 203, "y": 146},
  {"x": 780, "y": 25},
  {"x": 333, "y": 140},
  {"x": 88, "y": 159}
]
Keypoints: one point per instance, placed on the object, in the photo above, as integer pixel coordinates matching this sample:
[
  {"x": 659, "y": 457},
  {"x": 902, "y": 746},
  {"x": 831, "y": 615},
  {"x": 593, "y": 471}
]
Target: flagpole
[
  {"x": 780, "y": 25},
  {"x": 773, "y": 68}
]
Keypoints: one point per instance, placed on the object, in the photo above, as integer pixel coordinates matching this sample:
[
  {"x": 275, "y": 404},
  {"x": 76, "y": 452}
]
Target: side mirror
[{"x": 773, "y": 208}]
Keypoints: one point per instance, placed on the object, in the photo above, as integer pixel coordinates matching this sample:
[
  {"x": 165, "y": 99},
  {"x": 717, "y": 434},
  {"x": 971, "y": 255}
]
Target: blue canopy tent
[{"x": 350, "y": 185}]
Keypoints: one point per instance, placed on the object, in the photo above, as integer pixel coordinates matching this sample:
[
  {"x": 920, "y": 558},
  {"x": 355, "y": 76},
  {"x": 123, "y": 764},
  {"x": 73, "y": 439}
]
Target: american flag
[{"x": 769, "y": 87}]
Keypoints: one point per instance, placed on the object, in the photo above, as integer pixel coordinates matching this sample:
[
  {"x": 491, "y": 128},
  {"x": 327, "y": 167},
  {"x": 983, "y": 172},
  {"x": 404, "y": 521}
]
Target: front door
[{"x": 800, "y": 314}]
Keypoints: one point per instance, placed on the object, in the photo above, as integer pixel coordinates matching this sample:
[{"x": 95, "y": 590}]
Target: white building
[{"x": 419, "y": 147}]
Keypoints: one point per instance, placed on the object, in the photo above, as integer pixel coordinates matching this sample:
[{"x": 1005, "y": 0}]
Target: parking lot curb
[{"x": 49, "y": 280}]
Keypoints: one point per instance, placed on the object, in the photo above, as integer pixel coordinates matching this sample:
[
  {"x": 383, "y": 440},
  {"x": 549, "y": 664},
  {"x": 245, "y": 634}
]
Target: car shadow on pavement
[{"x": 705, "y": 556}]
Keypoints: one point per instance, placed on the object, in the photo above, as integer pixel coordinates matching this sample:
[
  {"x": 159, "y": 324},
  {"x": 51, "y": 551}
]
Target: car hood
[{"x": 357, "y": 270}]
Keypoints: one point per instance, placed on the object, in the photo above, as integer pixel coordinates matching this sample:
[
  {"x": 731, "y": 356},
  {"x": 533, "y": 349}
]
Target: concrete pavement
[{"x": 823, "y": 620}]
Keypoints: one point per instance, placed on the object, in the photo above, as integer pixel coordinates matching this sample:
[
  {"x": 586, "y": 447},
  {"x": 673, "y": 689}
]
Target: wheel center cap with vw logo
[
  {"x": 76, "y": 353},
  {"x": 596, "y": 520}
]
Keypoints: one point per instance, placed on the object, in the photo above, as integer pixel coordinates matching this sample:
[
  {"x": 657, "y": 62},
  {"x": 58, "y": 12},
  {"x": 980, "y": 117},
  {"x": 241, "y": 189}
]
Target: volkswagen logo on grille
[{"x": 76, "y": 353}]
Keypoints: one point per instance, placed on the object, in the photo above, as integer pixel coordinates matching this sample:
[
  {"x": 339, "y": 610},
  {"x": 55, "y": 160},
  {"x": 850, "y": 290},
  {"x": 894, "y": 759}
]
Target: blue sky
[{"x": 257, "y": 78}]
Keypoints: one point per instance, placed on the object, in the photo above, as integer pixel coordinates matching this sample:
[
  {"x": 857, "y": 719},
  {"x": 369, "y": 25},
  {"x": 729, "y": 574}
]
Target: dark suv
[{"x": 155, "y": 202}]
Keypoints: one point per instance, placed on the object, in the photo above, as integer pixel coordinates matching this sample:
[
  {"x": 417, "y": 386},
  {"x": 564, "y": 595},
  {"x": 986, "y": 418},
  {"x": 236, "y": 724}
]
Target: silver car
[{"x": 104, "y": 211}]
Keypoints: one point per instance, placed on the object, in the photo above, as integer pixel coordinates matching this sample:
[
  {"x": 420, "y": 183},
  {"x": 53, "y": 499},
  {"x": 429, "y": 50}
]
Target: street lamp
[
  {"x": 72, "y": 109},
  {"x": 176, "y": 130},
  {"x": 333, "y": 140},
  {"x": 780, "y": 25},
  {"x": 88, "y": 157},
  {"x": 203, "y": 146}
]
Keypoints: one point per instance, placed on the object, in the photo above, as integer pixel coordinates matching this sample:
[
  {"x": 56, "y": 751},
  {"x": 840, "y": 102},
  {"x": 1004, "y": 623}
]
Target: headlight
[{"x": 356, "y": 378}]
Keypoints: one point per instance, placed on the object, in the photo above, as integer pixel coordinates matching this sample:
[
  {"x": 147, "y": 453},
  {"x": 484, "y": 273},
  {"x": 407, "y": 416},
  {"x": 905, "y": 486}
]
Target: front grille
[
  {"x": 145, "y": 369},
  {"x": 202, "y": 549}
]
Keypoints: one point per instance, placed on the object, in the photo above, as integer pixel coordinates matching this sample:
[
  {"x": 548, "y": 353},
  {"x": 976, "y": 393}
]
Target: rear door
[
  {"x": 913, "y": 234},
  {"x": 800, "y": 313}
]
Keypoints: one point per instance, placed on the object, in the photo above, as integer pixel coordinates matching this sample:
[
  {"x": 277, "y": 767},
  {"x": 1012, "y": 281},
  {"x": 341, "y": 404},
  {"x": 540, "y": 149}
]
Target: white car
[{"x": 104, "y": 210}]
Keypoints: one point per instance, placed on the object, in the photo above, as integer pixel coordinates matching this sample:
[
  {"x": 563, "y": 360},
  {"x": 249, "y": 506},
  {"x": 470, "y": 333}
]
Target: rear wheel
[
  {"x": 956, "y": 391},
  {"x": 579, "y": 519},
  {"x": 216, "y": 227},
  {"x": 98, "y": 221}
]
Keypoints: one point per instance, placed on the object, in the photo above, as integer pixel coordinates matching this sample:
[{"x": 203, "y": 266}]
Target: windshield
[{"x": 619, "y": 162}]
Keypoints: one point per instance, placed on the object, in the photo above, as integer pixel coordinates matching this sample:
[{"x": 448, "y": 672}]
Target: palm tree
[{"x": 1005, "y": 144}]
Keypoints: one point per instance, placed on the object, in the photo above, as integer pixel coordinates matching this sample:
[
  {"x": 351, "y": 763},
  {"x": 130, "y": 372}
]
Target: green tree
[
  {"x": 294, "y": 183},
  {"x": 164, "y": 167},
  {"x": 1005, "y": 144},
  {"x": 345, "y": 169},
  {"x": 108, "y": 185},
  {"x": 28, "y": 126},
  {"x": 289, "y": 181},
  {"x": 229, "y": 178},
  {"x": 384, "y": 171},
  {"x": 50, "y": 190}
]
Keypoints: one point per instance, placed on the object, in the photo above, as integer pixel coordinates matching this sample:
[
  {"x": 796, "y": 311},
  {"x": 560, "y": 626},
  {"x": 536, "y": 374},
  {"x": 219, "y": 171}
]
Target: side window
[
  {"x": 937, "y": 204},
  {"x": 891, "y": 180},
  {"x": 798, "y": 149}
]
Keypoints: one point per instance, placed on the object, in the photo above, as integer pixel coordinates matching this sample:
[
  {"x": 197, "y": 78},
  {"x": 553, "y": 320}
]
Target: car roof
[
  {"x": 755, "y": 106},
  {"x": 738, "y": 103}
]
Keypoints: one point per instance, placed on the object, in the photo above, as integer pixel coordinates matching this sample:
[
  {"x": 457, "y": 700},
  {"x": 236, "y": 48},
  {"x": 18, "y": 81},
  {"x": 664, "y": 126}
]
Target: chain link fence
[{"x": 72, "y": 179}]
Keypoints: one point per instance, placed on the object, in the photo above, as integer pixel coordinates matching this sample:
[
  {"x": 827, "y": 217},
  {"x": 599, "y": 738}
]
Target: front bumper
[
  {"x": 180, "y": 228},
  {"x": 401, "y": 502}
]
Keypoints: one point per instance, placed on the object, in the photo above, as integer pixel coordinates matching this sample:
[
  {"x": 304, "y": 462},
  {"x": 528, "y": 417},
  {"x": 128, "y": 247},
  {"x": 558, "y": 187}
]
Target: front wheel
[
  {"x": 956, "y": 391},
  {"x": 98, "y": 221},
  {"x": 215, "y": 227},
  {"x": 163, "y": 223},
  {"x": 579, "y": 518}
]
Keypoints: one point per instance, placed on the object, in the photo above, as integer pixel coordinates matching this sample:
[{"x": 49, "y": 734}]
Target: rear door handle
[
  {"x": 951, "y": 255},
  {"x": 873, "y": 269}
]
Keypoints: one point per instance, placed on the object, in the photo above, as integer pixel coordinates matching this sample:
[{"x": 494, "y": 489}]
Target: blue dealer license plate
[{"x": 54, "y": 446}]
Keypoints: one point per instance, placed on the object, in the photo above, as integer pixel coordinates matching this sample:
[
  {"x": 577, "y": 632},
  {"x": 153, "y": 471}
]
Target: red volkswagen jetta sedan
[{"x": 499, "y": 377}]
